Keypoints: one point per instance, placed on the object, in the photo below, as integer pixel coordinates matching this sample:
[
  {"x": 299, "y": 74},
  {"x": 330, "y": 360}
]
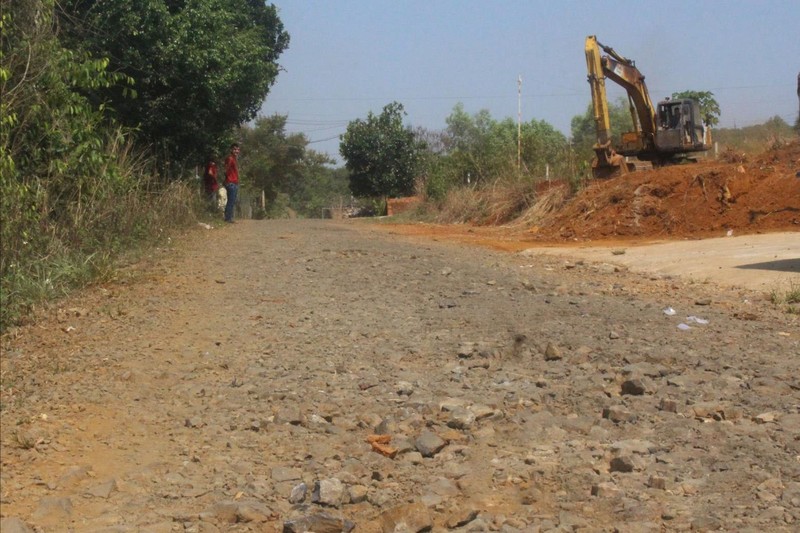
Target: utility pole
[{"x": 519, "y": 121}]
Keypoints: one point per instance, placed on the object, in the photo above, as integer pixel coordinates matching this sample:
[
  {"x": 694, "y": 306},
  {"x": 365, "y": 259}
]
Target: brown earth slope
[{"x": 687, "y": 201}]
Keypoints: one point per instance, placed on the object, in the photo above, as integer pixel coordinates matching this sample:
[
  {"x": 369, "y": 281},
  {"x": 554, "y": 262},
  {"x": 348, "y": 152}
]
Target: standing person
[
  {"x": 231, "y": 181},
  {"x": 210, "y": 183}
]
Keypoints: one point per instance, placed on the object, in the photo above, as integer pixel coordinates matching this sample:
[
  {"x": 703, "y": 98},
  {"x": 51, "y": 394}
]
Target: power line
[
  {"x": 304, "y": 122},
  {"x": 323, "y": 140},
  {"x": 474, "y": 97}
]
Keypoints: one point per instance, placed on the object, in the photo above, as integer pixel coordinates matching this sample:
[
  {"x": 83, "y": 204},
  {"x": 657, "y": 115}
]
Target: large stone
[
  {"x": 53, "y": 510},
  {"x": 618, "y": 413},
  {"x": 280, "y": 474},
  {"x": 328, "y": 492},
  {"x": 411, "y": 518},
  {"x": 232, "y": 512},
  {"x": 607, "y": 489},
  {"x": 12, "y": 524},
  {"x": 298, "y": 493},
  {"x": 552, "y": 352},
  {"x": 461, "y": 418},
  {"x": 318, "y": 523},
  {"x": 623, "y": 463},
  {"x": 429, "y": 443},
  {"x": 103, "y": 490}
]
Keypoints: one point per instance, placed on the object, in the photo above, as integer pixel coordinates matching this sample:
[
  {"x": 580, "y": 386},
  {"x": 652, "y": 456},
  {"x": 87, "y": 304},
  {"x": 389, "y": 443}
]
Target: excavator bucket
[{"x": 607, "y": 163}]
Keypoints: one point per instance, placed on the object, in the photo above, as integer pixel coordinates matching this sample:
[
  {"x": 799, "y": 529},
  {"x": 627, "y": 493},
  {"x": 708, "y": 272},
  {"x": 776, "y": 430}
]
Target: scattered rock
[
  {"x": 429, "y": 443},
  {"x": 318, "y": 523},
  {"x": 634, "y": 387},
  {"x": 12, "y": 524},
  {"x": 298, "y": 494},
  {"x": 328, "y": 492},
  {"x": 552, "y": 352},
  {"x": 410, "y": 518}
]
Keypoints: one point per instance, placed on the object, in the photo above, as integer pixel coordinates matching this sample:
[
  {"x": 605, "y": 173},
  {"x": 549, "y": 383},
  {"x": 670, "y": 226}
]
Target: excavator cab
[{"x": 680, "y": 127}]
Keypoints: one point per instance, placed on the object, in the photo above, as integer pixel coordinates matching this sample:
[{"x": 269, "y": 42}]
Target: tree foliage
[
  {"x": 584, "y": 131},
  {"x": 478, "y": 150},
  {"x": 201, "y": 67},
  {"x": 482, "y": 148},
  {"x": 754, "y": 139},
  {"x": 74, "y": 192},
  {"x": 709, "y": 108},
  {"x": 52, "y": 138},
  {"x": 291, "y": 175},
  {"x": 382, "y": 154}
]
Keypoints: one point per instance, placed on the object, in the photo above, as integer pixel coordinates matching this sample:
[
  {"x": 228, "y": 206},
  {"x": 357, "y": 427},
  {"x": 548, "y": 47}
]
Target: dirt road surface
[{"x": 233, "y": 381}]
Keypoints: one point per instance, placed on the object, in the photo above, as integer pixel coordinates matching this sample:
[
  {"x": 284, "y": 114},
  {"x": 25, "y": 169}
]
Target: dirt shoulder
[
  {"x": 763, "y": 262},
  {"x": 757, "y": 262}
]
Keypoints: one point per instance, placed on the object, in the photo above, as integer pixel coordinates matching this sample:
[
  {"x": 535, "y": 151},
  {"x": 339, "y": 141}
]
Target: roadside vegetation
[
  {"x": 486, "y": 171},
  {"x": 787, "y": 297},
  {"x": 106, "y": 110}
]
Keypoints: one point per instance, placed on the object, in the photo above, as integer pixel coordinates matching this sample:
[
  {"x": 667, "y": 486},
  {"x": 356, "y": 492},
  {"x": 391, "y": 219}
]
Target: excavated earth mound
[{"x": 706, "y": 199}]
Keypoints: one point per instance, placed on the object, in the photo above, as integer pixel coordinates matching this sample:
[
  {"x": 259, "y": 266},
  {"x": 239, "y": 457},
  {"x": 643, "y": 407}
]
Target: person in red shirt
[
  {"x": 210, "y": 183},
  {"x": 231, "y": 181}
]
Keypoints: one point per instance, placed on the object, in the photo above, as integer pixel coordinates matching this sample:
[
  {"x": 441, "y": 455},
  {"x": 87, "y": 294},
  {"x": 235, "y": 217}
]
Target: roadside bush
[
  {"x": 440, "y": 180},
  {"x": 74, "y": 194},
  {"x": 46, "y": 254}
]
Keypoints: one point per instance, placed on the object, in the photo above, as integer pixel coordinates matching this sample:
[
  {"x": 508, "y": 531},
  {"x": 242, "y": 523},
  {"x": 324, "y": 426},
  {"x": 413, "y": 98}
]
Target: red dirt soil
[{"x": 691, "y": 201}]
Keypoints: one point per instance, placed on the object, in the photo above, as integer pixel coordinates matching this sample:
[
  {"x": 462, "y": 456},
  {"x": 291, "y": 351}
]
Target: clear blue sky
[{"x": 349, "y": 57}]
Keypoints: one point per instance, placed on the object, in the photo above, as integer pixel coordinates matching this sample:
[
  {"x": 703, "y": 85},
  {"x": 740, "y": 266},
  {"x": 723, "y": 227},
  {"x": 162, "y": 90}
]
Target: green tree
[
  {"x": 541, "y": 145},
  {"x": 201, "y": 67},
  {"x": 584, "y": 132},
  {"x": 382, "y": 155},
  {"x": 74, "y": 190},
  {"x": 709, "y": 108},
  {"x": 477, "y": 149},
  {"x": 52, "y": 139},
  {"x": 271, "y": 159},
  {"x": 291, "y": 175}
]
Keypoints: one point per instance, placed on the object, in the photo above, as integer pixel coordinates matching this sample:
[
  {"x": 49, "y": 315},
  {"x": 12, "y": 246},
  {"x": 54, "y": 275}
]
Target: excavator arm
[
  {"x": 607, "y": 162},
  {"x": 624, "y": 72}
]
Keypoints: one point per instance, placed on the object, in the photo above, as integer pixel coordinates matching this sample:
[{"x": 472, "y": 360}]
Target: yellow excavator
[{"x": 664, "y": 134}]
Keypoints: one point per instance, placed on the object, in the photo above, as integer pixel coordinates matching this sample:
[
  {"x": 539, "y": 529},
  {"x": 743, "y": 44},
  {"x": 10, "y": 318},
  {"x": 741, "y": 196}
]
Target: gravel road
[{"x": 325, "y": 376}]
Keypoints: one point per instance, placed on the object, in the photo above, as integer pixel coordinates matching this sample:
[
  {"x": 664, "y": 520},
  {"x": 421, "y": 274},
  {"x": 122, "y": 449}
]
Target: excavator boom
[{"x": 607, "y": 162}]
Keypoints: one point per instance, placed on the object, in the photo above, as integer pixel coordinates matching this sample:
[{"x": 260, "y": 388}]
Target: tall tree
[
  {"x": 709, "y": 108},
  {"x": 382, "y": 154},
  {"x": 272, "y": 159},
  {"x": 291, "y": 175},
  {"x": 584, "y": 132},
  {"x": 201, "y": 67},
  {"x": 485, "y": 149}
]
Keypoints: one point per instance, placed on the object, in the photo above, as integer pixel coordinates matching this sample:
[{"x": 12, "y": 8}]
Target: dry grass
[
  {"x": 461, "y": 205},
  {"x": 511, "y": 202},
  {"x": 71, "y": 237},
  {"x": 546, "y": 203}
]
